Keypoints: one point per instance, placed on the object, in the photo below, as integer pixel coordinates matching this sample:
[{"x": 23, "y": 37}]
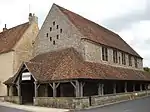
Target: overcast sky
[{"x": 129, "y": 18}]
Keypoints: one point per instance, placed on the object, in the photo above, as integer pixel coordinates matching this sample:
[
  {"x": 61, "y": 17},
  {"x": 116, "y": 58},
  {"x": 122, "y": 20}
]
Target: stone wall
[
  {"x": 93, "y": 53},
  {"x": 24, "y": 48},
  {"x": 101, "y": 100},
  {"x": 13, "y": 99},
  {"x": 6, "y": 70},
  {"x": 82, "y": 103},
  {"x": 47, "y": 39},
  {"x": 62, "y": 102}
]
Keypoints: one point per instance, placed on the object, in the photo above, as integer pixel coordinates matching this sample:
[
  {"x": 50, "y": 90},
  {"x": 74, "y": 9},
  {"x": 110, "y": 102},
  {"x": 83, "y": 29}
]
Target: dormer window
[{"x": 104, "y": 54}]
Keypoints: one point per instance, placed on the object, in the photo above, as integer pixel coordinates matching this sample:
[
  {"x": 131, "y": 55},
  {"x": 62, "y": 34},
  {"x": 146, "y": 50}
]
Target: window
[
  {"x": 47, "y": 34},
  {"x": 130, "y": 61},
  {"x": 54, "y": 23},
  {"x": 104, "y": 54},
  {"x": 60, "y": 30},
  {"x": 50, "y": 38},
  {"x": 135, "y": 61},
  {"x": 50, "y": 28},
  {"x": 57, "y": 27},
  {"x": 115, "y": 56},
  {"x": 57, "y": 36},
  {"x": 54, "y": 42},
  {"x": 123, "y": 59}
]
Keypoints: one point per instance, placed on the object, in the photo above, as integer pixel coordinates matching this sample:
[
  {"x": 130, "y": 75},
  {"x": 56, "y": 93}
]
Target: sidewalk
[{"x": 32, "y": 108}]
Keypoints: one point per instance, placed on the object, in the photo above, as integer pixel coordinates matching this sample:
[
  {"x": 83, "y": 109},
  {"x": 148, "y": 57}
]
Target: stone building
[
  {"x": 75, "y": 57},
  {"x": 16, "y": 46}
]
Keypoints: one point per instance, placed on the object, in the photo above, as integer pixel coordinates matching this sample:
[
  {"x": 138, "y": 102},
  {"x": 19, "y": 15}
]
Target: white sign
[{"x": 26, "y": 76}]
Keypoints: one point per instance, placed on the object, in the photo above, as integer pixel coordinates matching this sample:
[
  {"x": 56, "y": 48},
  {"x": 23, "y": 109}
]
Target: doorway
[{"x": 27, "y": 91}]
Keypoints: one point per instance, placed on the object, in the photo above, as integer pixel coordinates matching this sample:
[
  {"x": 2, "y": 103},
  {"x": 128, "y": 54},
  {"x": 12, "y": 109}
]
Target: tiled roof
[
  {"x": 97, "y": 33},
  {"x": 69, "y": 64},
  {"x": 10, "y": 37}
]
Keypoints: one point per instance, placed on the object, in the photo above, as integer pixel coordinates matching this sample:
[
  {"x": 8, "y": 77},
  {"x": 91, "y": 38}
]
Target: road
[
  {"x": 140, "y": 105},
  {"x": 7, "y": 109}
]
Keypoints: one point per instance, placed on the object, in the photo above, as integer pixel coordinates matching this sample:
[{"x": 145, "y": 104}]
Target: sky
[{"x": 129, "y": 18}]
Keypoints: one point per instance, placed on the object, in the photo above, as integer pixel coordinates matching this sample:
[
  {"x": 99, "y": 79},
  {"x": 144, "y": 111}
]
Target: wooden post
[
  {"x": 114, "y": 88},
  {"x": 54, "y": 90},
  {"x": 141, "y": 87},
  {"x": 125, "y": 87},
  {"x": 146, "y": 87},
  {"x": 35, "y": 89},
  {"x": 81, "y": 88},
  {"x": 19, "y": 91},
  {"x": 77, "y": 88},
  {"x": 133, "y": 87},
  {"x": 100, "y": 89},
  {"x": 8, "y": 90},
  {"x": 54, "y": 87}
]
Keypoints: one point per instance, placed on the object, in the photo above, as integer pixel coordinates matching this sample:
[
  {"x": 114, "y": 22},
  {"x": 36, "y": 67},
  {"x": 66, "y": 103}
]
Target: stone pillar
[
  {"x": 100, "y": 89},
  {"x": 35, "y": 89},
  {"x": 114, "y": 88},
  {"x": 77, "y": 89},
  {"x": 125, "y": 87}
]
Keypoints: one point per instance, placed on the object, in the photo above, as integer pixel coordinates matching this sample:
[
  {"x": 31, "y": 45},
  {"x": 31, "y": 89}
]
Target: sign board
[{"x": 26, "y": 76}]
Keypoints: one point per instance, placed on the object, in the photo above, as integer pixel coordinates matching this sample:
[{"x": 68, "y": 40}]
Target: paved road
[
  {"x": 140, "y": 105},
  {"x": 6, "y": 109}
]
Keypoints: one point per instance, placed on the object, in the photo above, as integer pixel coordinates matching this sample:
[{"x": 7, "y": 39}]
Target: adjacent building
[
  {"x": 75, "y": 57},
  {"x": 16, "y": 46}
]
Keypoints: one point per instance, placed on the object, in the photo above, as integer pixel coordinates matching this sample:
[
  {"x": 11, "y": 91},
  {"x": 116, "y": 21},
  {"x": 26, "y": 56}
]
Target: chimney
[
  {"x": 5, "y": 28},
  {"x": 33, "y": 18}
]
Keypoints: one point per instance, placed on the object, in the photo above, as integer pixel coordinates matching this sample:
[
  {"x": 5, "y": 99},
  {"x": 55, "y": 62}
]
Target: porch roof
[{"x": 68, "y": 64}]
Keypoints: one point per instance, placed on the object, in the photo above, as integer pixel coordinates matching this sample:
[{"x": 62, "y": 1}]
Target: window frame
[
  {"x": 115, "y": 56},
  {"x": 123, "y": 58},
  {"x": 104, "y": 53},
  {"x": 130, "y": 60}
]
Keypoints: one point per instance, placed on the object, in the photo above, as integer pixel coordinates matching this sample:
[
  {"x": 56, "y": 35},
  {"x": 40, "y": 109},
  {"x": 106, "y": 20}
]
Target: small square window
[
  {"x": 50, "y": 28},
  {"x": 54, "y": 23},
  {"x": 60, "y": 30},
  {"x": 54, "y": 42},
  {"x": 57, "y": 36},
  {"x": 57, "y": 26},
  {"x": 47, "y": 34},
  {"x": 50, "y": 38}
]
